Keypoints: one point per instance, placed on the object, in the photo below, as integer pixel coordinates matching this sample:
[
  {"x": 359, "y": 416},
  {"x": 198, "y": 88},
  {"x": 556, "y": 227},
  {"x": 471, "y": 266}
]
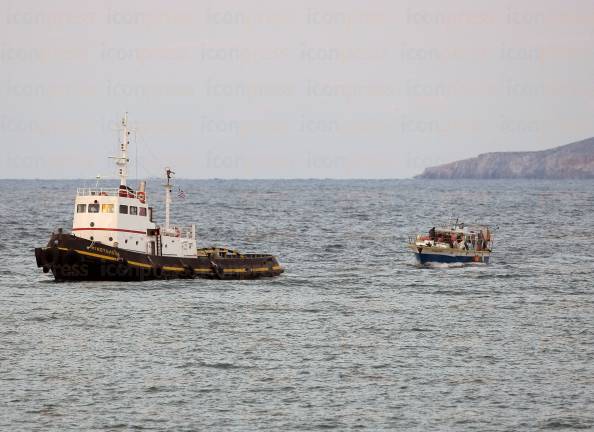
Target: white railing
[{"x": 97, "y": 191}]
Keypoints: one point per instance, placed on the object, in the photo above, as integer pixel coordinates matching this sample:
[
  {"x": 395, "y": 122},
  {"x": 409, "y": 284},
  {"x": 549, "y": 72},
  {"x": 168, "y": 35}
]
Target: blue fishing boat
[{"x": 456, "y": 243}]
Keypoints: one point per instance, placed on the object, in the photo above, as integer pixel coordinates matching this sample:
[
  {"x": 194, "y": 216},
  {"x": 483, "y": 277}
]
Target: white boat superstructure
[{"x": 121, "y": 217}]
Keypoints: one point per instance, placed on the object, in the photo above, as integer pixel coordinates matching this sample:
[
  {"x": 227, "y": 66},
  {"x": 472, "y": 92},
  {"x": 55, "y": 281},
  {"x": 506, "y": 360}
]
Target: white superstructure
[{"x": 121, "y": 217}]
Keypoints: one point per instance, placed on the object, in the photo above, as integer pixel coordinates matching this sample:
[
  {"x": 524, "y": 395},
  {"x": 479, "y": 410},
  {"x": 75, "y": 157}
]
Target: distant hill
[{"x": 571, "y": 161}]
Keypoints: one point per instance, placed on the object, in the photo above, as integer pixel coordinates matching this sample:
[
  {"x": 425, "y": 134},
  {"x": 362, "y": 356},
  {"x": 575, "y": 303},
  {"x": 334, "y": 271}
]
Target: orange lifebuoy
[{"x": 141, "y": 197}]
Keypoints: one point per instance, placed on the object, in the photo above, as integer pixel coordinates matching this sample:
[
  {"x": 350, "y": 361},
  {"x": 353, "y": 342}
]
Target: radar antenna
[{"x": 122, "y": 160}]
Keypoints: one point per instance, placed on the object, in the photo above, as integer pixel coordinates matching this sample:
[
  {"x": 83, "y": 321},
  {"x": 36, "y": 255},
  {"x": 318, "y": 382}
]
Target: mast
[
  {"x": 167, "y": 187},
  {"x": 122, "y": 160}
]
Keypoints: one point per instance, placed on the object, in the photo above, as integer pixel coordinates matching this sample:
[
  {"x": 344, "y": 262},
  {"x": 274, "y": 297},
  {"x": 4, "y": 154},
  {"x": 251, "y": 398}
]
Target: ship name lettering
[{"x": 103, "y": 250}]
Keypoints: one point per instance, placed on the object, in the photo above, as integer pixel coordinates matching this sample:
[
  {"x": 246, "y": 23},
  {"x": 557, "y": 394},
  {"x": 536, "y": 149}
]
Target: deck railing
[
  {"x": 487, "y": 246},
  {"x": 97, "y": 191}
]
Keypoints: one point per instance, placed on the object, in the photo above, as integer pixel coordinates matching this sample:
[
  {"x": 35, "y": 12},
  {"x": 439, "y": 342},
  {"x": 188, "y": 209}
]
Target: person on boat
[
  {"x": 453, "y": 240},
  {"x": 432, "y": 234}
]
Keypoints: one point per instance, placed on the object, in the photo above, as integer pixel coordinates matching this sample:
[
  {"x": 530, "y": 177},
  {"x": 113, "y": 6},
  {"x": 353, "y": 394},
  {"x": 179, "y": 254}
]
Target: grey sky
[{"x": 261, "y": 89}]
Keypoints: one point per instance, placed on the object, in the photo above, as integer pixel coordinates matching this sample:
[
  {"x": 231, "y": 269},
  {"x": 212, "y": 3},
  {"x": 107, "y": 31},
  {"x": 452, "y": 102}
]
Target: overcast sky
[{"x": 280, "y": 89}]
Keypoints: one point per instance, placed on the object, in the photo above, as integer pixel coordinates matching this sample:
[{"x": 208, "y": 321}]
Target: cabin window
[
  {"x": 93, "y": 208},
  {"x": 81, "y": 208},
  {"x": 124, "y": 209},
  {"x": 142, "y": 211},
  {"x": 106, "y": 208},
  {"x": 133, "y": 210}
]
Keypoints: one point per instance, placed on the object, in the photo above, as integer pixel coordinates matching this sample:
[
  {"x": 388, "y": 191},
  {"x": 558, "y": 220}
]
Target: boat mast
[
  {"x": 167, "y": 187},
  {"x": 122, "y": 160}
]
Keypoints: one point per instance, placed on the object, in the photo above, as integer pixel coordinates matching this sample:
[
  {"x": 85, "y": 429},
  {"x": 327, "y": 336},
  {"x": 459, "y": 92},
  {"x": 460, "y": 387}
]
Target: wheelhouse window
[
  {"x": 123, "y": 209},
  {"x": 81, "y": 208},
  {"x": 93, "y": 208},
  {"x": 106, "y": 208},
  {"x": 133, "y": 210},
  {"x": 142, "y": 211}
]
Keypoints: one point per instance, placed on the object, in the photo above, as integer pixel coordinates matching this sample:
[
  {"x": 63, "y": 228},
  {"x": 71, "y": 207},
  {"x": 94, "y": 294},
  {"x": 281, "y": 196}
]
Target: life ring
[{"x": 141, "y": 197}]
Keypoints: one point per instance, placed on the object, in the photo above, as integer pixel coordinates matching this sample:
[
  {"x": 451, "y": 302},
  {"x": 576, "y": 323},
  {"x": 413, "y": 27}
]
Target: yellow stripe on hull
[
  {"x": 175, "y": 269},
  {"x": 139, "y": 264},
  {"x": 94, "y": 255}
]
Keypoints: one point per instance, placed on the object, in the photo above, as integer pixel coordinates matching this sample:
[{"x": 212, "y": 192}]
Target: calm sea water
[{"x": 352, "y": 336}]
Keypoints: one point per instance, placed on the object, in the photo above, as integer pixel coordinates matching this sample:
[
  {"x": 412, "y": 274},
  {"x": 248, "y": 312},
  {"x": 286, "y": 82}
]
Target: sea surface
[{"x": 353, "y": 336}]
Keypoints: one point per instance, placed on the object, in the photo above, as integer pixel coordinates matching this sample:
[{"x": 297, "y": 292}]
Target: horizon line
[
  {"x": 302, "y": 179},
  {"x": 210, "y": 178}
]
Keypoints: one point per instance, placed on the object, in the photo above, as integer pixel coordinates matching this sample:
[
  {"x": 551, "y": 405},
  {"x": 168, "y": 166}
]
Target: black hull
[{"x": 73, "y": 258}]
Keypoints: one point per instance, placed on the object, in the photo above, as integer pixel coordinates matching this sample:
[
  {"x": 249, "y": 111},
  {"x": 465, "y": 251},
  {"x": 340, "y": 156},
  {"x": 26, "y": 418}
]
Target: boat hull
[
  {"x": 73, "y": 258},
  {"x": 426, "y": 256}
]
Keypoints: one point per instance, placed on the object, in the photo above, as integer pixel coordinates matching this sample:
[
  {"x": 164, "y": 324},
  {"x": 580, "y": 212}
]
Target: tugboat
[
  {"x": 114, "y": 237},
  {"x": 453, "y": 244}
]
